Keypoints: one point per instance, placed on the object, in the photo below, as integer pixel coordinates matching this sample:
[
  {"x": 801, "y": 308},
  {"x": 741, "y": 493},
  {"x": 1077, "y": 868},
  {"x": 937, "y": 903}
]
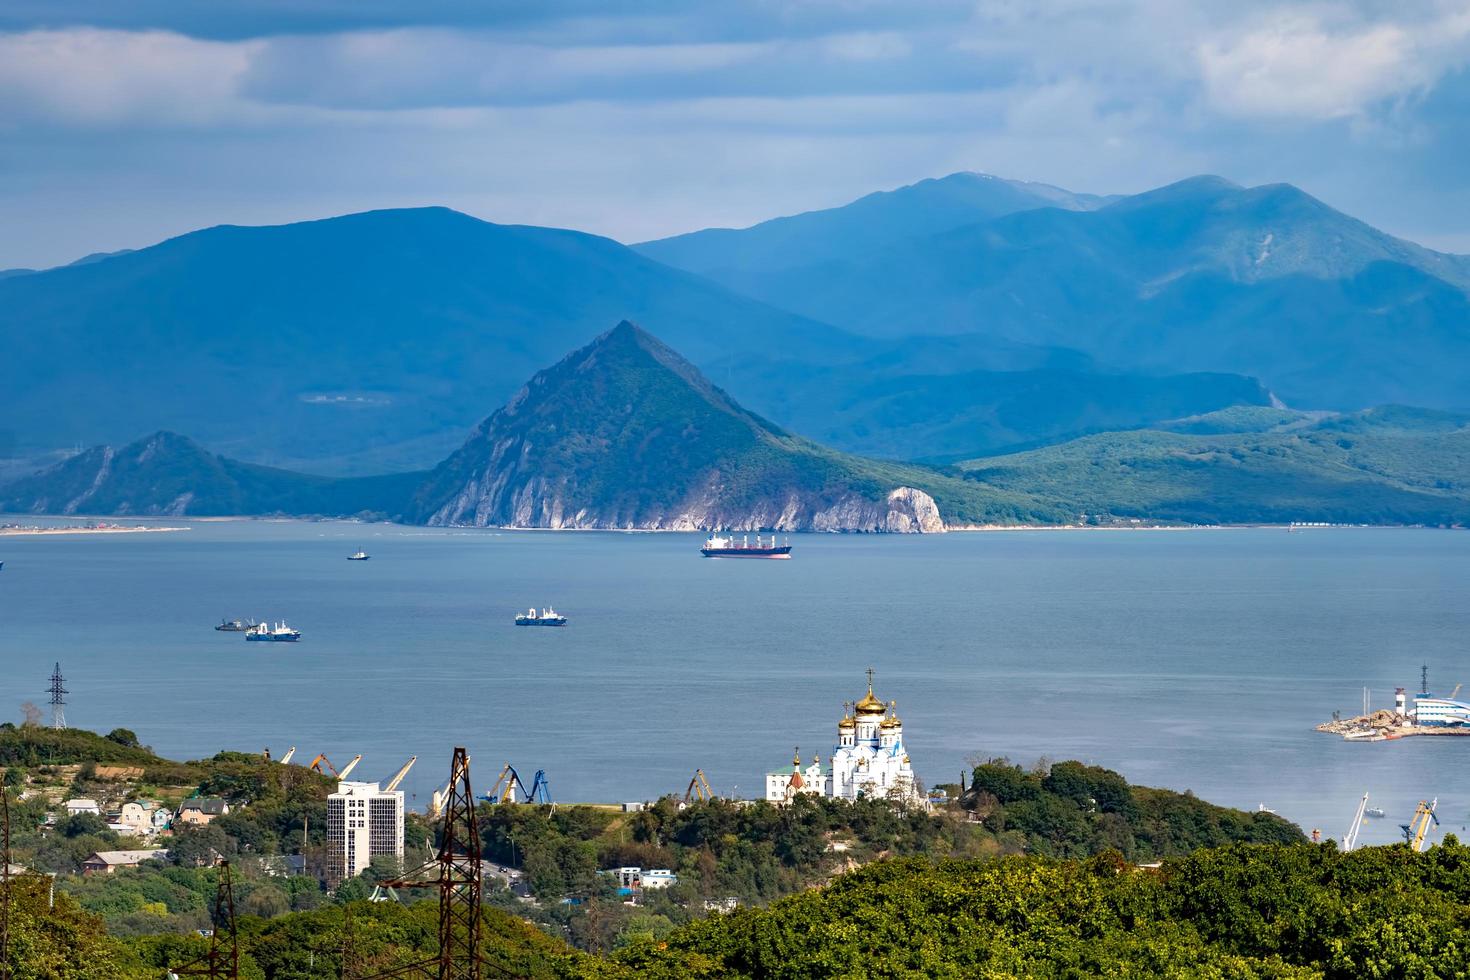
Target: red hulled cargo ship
[{"x": 718, "y": 547}]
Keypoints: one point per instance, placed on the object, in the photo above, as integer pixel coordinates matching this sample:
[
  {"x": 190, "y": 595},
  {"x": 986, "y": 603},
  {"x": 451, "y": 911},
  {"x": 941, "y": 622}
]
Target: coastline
[{"x": 38, "y": 531}]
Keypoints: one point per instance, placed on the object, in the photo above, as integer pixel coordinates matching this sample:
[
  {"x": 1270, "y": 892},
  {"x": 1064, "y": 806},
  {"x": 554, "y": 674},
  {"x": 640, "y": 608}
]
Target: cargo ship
[
  {"x": 718, "y": 547},
  {"x": 546, "y": 617}
]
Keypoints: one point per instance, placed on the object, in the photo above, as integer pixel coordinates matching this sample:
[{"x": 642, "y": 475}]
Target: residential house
[
  {"x": 82, "y": 805},
  {"x": 140, "y": 817},
  {"x": 106, "y": 862},
  {"x": 202, "y": 810}
]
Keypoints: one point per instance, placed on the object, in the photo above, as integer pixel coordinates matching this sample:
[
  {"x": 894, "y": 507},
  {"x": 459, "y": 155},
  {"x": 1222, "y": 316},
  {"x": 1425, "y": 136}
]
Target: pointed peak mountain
[{"x": 625, "y": 433}]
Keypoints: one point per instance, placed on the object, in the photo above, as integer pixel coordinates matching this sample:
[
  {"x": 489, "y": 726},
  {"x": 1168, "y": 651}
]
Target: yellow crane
[
  {"x": 436, "y": 799},
  {"x": 315, "y": 765},
  {"x": 347, "y": 769},
  {"x": 699, "y": 788},
  {"x": 1417, "y": 829},
  {"x": 392, "y": 784}
]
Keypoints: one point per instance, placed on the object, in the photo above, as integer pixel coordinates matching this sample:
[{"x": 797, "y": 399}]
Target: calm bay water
[{"x": 1194, "y": 660}]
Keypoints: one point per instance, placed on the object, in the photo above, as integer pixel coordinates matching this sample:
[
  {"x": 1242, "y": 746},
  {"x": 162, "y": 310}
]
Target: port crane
[
  {"x": 1417, "y": 829},
  {"x": 347, "y": 769},
  {"x": 392, "y": 784},
  {"x": 285, "y": 759},
  {"x": 504, "y": 790},
  {"x": 437, "y": 798},
  {"x": 699, "y": 788},
  {"x": 315, "y": 765},
  {"x": 1350, "y": 839}
]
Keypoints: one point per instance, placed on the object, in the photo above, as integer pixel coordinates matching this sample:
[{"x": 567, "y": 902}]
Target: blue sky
[{"x": 124, "y": 123}]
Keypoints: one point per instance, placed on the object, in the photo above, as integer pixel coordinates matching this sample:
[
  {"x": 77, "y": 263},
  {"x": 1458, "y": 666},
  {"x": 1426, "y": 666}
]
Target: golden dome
[
  {"x": 890, "y": 722},
  {"x": 847, "y": 723},
  {"x": 870, "y": 705}
]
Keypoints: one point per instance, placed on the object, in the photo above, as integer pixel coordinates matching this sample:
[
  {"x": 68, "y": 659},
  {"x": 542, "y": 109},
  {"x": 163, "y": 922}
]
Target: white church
[{"x": 869, "y": 759}]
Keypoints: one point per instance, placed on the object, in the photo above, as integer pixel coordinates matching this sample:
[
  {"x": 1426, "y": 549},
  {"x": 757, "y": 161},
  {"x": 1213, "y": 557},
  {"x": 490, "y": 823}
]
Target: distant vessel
[
  {"x": 718, "y": 547},
  {"x": 546, "y": 617},
  {"x": 1374, "y": 811},
  {"x": 235, "y": 626},
  {"x": 359, "y": 555},
  {"x": 280, "y": 633}
]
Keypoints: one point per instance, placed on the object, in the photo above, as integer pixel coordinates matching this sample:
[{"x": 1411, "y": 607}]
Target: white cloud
[
  {"x": 90, "y": 77},
  {"x": 1299, "y": 65}
]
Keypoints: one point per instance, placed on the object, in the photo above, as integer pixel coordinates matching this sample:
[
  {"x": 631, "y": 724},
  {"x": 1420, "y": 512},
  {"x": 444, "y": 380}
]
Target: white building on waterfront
[
  {"x": 363, "y": 822},
  {"x": 869, "y": 759}
]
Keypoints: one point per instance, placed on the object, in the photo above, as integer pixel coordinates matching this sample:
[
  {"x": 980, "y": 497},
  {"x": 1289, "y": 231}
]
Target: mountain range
[
  {"x": 625, "y": 434},
  {"x": 1202, "y": 275},
  {"x": 621, "y": 434},
  {"x": 1011, "y": 329},
  {"x": 371, "y": 342}
]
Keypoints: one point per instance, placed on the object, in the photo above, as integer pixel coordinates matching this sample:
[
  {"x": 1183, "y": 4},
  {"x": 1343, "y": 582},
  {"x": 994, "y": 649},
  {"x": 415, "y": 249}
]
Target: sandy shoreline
[{"x": 18, "y": 531}]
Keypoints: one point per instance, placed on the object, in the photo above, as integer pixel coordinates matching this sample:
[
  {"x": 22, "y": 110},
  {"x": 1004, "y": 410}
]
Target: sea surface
[{"x": 1197, "y": 660}]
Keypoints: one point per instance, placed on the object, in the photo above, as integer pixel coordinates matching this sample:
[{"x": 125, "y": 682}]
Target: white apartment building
[{"x": 363, "y": 822}]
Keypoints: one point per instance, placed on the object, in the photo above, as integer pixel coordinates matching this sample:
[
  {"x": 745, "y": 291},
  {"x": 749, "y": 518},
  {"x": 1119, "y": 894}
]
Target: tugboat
[
  {"x": 360, "y": 555},
  {"x": 718, "y": 547},
  {"x": 280, "y": 633},
  {"x": 546, "y": 617},
  {"x": 235, "y": 626}
]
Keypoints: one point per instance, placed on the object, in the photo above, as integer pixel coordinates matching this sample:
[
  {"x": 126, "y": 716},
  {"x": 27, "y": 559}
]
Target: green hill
[
  {"x": 1387, "y": 465},
  {"x": 625, "y": 433},
  {"x": 1249, "y": 911}
]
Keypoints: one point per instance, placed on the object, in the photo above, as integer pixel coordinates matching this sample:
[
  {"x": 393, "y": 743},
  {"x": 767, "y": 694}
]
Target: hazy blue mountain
[
  {"x": 370, "y": 341},
  {"x": 742, "y": 258},
  {"x": 625, "y": 433},
  {"x": 169, "y": 474},
  {"x": 1202, "y": 275},
  {"x": 1387, "y": 465}
]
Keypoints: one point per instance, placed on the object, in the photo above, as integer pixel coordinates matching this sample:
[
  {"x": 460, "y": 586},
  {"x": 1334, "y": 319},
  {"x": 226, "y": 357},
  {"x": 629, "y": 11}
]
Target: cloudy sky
[{"x": 124, "y": 123}]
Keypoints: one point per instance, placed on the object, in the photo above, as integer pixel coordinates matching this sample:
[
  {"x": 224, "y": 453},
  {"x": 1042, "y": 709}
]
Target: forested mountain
[
  {"x": 624, "y": 433},
  {"x": 360, "y": 344},
  {"x": 166, "y": 474}
]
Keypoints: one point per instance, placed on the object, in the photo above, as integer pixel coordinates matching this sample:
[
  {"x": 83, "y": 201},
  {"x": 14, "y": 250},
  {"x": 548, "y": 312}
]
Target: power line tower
[
  {"x": 455, "y": 872},
  {"x": 223, "y": 958},
  {"x": 58, "y": 693}
]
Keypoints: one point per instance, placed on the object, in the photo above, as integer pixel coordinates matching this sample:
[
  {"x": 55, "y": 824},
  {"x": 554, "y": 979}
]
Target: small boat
[
  {"x": 546, "y": 617},
  {"x": 235, "y": 626},
  {"x": 1366, "y": 735},
  {"x": 360, "y": 555},
  {"x": 1376, "y": 812},
  {"x": 279, "y": 633}
]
